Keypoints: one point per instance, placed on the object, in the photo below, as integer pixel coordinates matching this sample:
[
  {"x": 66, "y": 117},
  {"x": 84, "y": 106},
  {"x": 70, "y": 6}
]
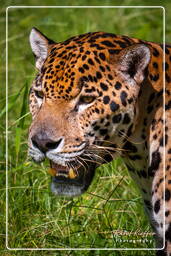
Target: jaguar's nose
[{"x": 44, "y": 143}]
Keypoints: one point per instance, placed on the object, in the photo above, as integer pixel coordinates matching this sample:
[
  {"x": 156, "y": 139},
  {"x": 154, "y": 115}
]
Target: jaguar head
[{"x": 83, "y": 102}]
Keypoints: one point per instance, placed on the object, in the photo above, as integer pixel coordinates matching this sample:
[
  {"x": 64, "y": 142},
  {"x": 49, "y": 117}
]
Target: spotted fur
[{"x": 104, "y": 89}]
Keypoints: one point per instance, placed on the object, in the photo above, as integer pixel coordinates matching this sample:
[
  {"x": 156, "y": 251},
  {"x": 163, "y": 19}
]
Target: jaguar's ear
[
  {"x": 40, "y": 45},
  {"x": 133, "y": 60}
]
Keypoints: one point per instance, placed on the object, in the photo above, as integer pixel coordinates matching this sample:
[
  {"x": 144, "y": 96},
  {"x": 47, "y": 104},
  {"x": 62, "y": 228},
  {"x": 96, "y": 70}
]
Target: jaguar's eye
[
  {"x": 86, "y": 99},
  {"x": 39, "y": 94}
]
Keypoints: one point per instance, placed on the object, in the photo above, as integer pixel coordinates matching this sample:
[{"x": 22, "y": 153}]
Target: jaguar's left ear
[
  {"x": 40, "y": 45},
  {"x": 132, "y": 61}
]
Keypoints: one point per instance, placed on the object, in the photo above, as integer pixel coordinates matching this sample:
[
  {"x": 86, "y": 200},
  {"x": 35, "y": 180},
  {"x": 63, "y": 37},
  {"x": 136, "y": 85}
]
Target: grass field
[{"x": 110, "y": 214}]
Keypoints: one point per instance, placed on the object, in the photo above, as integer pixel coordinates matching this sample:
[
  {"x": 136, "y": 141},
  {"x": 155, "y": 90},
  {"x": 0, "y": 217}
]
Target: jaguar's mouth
[{"x": 72, "y": 179}]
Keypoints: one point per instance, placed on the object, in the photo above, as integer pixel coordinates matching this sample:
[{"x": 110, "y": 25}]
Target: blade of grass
[
  {"x": 19, "y": 129},
  {"x": 24, "y": 106},
  {"x": 11, "y": 103}
]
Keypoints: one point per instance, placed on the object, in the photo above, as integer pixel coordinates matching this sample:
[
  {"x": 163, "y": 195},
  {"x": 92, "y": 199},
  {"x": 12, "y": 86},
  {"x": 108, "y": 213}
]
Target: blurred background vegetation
[{"x": 112, "y": 208}]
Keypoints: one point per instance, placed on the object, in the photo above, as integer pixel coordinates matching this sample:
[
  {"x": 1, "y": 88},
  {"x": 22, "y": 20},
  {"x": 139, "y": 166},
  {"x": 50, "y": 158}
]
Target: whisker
[
  {"x": 80, "y": 158},
  {"x": 102, "y": 140},
  {"x": 91, "y": 160},
  {"x": 128, "y": 138},
  {"x": 110, "y": 151},
  {"x": 81, "y": 164},
  {"x": 109, "y": 148},
  {"x": 97, "y": 156}
]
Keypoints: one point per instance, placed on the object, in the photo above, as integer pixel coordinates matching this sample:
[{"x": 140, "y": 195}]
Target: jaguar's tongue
[{"x": 57, "y": 170}]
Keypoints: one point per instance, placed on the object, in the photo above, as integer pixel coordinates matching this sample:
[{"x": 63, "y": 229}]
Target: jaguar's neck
[{"x": 138, "y": 158}]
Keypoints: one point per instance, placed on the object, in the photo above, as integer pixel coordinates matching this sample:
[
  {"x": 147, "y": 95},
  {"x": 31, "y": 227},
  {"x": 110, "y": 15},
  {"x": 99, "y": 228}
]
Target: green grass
[{"x": 113, "y": 204}]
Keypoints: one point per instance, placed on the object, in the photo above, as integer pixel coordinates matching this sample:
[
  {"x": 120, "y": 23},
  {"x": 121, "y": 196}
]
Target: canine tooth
[
  {"x": 71, "y": 174},
  {"x": 52, "y": 172}
]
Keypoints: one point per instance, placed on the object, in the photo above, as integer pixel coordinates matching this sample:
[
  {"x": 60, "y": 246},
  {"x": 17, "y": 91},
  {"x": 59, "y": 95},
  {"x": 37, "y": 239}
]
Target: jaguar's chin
[{"x": 71, "y": 181}]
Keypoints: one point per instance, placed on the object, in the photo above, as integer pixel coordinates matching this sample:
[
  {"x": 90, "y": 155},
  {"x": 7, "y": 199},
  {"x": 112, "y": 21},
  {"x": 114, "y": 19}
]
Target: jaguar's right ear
[{"x": 40, "y": 45}]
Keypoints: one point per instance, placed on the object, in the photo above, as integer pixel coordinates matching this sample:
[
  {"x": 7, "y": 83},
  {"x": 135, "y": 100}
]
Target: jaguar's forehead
[
  {"x": 81, "y": 58},
  {"x": 65, "y": 71}
]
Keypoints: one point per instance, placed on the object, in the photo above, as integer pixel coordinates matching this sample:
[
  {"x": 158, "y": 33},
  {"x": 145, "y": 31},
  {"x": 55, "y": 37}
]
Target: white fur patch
[{"x": 69, "y": 190}]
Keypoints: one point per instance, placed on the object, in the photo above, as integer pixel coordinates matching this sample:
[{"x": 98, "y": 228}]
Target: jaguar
[{"x": 99, "y": 95}]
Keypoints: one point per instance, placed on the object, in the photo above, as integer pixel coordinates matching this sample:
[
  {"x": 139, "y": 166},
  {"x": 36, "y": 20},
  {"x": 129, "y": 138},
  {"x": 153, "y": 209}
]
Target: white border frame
[{"x": 80, "y": 249}]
